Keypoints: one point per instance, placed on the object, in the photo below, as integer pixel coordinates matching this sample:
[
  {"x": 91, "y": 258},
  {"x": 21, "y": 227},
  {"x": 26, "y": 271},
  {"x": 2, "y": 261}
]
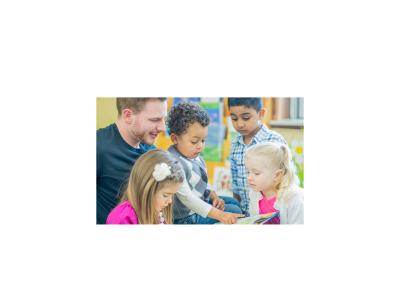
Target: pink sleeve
[{"x": 122, "y": 214}]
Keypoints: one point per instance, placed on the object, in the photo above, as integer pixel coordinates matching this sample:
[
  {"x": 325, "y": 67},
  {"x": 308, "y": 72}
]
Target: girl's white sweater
[{"x": 291, "y": 212}]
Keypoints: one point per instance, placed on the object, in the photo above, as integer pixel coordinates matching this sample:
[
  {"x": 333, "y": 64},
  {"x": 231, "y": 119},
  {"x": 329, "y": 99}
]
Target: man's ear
[
  {"x": 127, "y": 115},
  {"x": 174, "y": 138}
]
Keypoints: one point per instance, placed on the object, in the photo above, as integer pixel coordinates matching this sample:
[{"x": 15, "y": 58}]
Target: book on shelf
[
  {"x": 214, "y": 143},
  {"x": 288, "y": 108},
  {"x": 281, "y": 108},
  {"x": 216, "y": 130},
  {"x": 223, "y": 181},
  {"x": 301, "y": 108},
  {"x": 294, "y": 108},
  {"x": 288, "y": 113}
]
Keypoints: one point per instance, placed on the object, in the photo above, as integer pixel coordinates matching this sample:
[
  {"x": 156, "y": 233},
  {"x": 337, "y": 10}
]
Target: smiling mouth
[{"x": 154, "y": 135}]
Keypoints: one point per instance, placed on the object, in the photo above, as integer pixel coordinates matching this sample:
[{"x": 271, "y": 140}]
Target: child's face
[
  {"x": 192, "y": 142},
  {"x": 263, "y": 176},
  {"x": 245, "y": 119},
  {"x": 163, "y": 196}
]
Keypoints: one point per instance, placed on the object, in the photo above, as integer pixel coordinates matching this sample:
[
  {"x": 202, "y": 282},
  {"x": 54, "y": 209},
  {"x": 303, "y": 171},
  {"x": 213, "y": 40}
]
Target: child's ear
[
  {"x": 174, "y": 138},
  {"x": 278, "y": 174},
  {"x": 261, "y": 113}
]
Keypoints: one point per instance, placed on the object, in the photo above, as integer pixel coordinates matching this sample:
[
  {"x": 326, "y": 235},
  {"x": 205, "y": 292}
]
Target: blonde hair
[
  {"x": 142, "y": 186},
  {"x": 280, "y": 156}
]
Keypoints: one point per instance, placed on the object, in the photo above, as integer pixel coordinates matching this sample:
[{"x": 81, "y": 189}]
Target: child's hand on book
[{"x": 230, "y": 218}]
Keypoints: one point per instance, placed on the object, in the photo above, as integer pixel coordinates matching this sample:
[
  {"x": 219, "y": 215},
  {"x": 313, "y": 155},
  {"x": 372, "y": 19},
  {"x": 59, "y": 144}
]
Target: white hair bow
[{"x": 161, "y": 171}]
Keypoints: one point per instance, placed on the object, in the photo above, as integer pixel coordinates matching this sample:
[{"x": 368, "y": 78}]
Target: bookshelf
[
  {"x": 286, "y": 116},
  {"x": 284, "y": 112}
]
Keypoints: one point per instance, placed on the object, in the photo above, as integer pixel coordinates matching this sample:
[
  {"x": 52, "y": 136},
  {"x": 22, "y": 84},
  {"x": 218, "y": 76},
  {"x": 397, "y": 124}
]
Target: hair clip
[{"x": 161, "y": 171}]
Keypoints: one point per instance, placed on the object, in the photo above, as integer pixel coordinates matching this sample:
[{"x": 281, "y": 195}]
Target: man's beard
[{"x": 139, "y": 136}]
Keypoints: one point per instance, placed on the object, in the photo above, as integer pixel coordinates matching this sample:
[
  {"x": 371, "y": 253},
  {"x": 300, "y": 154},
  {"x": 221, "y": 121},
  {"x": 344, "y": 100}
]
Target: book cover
[
  {"x": 264, "y": 219},
  {"x": 216, "y": 129},
  {"x": 269, "y": 218}
]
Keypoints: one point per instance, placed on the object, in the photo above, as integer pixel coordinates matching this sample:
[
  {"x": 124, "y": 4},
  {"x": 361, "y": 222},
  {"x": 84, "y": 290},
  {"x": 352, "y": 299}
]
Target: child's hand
[
  {"x": 218, "y": 203},
  {"x": 230, "y": 218}
]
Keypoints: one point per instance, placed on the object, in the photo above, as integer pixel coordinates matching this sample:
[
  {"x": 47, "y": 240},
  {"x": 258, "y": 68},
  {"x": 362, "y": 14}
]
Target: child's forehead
[
  {"x": 242, "y": 109},
  {"x": 170, "y": 187},
  {"x": 258, "y": 161},
  {"x": 196, "y": 129}
]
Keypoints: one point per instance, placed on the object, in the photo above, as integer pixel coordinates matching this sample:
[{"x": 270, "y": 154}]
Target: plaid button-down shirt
[{"x": 238, "y": 169}]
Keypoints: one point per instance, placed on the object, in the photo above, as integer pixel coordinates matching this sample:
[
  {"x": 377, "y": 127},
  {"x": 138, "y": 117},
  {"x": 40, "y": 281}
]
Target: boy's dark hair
[
  {"x": 247, "y": 102},
  {"x": 184, "y": 114}
]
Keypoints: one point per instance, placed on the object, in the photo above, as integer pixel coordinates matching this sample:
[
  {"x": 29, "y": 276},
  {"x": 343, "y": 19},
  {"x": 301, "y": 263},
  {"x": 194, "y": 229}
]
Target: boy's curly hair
[{"x": 184, "y": 114}]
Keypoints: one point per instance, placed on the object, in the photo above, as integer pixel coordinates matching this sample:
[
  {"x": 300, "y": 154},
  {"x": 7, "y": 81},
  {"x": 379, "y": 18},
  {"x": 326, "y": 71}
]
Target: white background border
[{"x": 342, "y": 57}]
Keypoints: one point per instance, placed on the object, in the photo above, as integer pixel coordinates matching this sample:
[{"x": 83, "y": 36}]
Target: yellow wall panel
[{"x": 106, "y": 112}]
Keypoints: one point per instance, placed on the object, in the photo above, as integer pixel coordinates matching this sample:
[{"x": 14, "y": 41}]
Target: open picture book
[{"x": 268, "y": 218}]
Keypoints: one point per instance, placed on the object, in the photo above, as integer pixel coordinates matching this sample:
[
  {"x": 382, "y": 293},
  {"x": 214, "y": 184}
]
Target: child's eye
[{"x": 246, "y": 119}]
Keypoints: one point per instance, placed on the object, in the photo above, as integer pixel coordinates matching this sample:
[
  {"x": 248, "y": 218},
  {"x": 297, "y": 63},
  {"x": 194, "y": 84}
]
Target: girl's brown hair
[{"x": 142, "y": 186}]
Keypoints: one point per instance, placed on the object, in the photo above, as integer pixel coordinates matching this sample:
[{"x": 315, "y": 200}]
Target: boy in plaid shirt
[{"x": 246, "y": 115}]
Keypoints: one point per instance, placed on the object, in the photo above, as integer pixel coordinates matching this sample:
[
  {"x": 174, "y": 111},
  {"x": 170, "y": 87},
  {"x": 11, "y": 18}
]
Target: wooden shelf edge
[{"x": 288, "y": 123}]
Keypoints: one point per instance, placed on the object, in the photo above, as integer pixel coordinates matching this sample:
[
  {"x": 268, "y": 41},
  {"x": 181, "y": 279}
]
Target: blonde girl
[
  {"x": 271, "y": 173},
  {"x": 154, "y": 179}
]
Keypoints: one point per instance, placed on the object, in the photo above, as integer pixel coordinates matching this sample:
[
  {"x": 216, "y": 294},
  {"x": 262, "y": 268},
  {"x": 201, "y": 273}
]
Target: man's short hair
[
  {"x": 136, "y": 104},
  {"x": 247, "y": 102}
]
